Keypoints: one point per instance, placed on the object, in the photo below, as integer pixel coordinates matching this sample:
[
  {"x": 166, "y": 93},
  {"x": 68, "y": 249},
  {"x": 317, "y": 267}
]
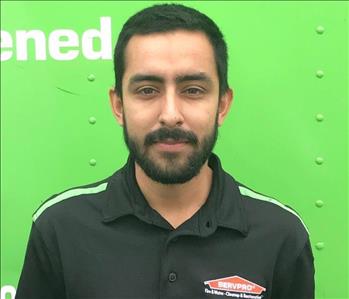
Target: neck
[{"x": 176, "y": 202}]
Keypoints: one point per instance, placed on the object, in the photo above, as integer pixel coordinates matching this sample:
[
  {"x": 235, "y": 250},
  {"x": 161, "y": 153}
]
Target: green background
[{"x": 269, "y": 142}]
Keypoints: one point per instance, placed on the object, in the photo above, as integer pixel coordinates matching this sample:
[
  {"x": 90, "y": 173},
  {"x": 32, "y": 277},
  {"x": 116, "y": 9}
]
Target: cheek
[
  {"x": 138, "y": 119},
  {"x": 201, "y": 120}
]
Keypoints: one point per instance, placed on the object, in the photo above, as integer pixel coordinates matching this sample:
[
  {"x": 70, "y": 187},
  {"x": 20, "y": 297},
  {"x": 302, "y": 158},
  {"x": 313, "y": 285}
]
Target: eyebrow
[
  {"x": 179, "y": 79},
  {"x": 144, "y": 77},
  {"x": 194, "y": 77}
]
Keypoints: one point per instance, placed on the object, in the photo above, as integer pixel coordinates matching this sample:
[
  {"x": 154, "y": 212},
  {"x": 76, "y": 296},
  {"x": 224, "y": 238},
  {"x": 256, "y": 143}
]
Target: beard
[{"x": 173, "y": 172}]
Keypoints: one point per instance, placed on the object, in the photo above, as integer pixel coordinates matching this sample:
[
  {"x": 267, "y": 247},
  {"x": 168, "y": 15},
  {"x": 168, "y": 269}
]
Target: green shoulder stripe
[
  {"x": 250, "y": 193},
  {"x": 66, "y": 195}
]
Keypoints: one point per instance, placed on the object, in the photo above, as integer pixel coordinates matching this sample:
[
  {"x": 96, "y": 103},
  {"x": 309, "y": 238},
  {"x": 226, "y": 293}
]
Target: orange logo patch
[{"x": 235, "y": 284}]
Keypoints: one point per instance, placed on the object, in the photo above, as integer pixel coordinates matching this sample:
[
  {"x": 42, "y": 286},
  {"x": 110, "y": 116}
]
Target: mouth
[
  {"x": 172, "y": 141},
  {"x": 171, "y": 145}
]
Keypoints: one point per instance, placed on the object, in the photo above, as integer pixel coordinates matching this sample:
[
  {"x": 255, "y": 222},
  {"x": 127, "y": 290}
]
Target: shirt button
[{"x": 172, "y": 277}]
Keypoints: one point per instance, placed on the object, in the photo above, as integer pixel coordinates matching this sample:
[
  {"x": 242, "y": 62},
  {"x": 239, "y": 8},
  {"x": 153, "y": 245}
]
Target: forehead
[{"x": 170, "y": 54}]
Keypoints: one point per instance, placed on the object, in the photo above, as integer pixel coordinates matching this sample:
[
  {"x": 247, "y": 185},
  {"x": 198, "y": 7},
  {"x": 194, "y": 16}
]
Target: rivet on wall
[
  {"x": 319, "y": 160},
  {"x": 91, "y": 77},
  {"x": 320, "y": 245},
  {"x": 92, "y": 120},
  {"x": 320, "y": 29},
  {"x": 319, "y": 203},
  {"x": 320, "y": 74},
  {"x": 319, "y": 117}
]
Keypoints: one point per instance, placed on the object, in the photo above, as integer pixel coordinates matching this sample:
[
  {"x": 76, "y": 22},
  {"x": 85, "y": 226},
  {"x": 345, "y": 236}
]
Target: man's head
[
  {"x": 166, "y": 18},
  {"x": 171, "y": 90}
]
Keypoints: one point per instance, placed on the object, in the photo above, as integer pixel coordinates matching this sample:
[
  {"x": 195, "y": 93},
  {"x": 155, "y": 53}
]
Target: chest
[{"x": 154, "y": 263}]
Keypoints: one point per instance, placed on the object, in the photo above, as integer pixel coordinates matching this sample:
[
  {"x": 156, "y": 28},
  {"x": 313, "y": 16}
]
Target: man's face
[{"x": 170, "y": 109}]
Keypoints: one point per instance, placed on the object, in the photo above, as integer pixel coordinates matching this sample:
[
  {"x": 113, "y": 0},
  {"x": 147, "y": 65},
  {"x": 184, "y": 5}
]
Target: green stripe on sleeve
[
  {"x": 250, "y": 193},
  {"x": 68, "y": 194}
]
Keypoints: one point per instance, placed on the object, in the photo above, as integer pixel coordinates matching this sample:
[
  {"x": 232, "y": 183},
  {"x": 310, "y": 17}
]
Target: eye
[
  {"x": 147, "y": 91},
  {"x": 194, "y": 91}
]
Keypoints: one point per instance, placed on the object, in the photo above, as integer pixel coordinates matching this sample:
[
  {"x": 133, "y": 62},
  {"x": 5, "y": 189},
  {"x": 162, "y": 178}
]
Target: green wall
[{"x": 286, "y": 136}]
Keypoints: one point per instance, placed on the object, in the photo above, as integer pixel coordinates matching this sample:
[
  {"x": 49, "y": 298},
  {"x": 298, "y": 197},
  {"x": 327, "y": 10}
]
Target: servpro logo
[{"x": 234, "y": 286}]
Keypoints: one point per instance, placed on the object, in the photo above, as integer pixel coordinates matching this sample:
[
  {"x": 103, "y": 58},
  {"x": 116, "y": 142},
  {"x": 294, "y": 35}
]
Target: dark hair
[{"x": 165, "y": 18}]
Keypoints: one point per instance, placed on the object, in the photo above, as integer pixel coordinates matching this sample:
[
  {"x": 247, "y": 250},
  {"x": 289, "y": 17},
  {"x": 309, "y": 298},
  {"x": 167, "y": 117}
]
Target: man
[{"x": 171, "y": 223}]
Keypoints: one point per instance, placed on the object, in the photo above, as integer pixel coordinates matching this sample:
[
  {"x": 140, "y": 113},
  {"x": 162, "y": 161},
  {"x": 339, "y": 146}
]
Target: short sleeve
[
  {"x": 295, "y": 278},
  {"x": 41, "y": 277}
]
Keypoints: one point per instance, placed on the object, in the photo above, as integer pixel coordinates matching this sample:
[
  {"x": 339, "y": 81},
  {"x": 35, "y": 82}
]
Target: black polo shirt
[{"x": 104, "y": 241}]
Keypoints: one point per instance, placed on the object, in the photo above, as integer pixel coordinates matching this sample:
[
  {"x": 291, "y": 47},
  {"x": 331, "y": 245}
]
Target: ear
[
  {"x": 116, "y": 106},
  {"x": 224, "y": 105}
]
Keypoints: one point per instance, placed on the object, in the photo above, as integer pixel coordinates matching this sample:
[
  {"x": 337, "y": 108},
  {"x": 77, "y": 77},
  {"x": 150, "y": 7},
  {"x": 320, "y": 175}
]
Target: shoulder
[
  {"x": 271, "y": 206},
  {"x": 73, "y": 201},
  {"x": 273, "y": 220}
]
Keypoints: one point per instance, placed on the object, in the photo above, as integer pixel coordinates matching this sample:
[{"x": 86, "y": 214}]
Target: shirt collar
[
  {"x": 118, "y": 196},
  {"x": 226, "y": 200},
  {"x": 224, "y": 206}
]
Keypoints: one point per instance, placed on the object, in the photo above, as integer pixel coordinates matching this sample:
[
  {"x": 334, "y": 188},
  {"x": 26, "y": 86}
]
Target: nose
[{"x": 171, "y": 115}]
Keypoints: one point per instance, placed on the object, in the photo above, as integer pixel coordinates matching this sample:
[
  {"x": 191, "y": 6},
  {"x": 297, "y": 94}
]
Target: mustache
[{"x": 175, "y": 134}]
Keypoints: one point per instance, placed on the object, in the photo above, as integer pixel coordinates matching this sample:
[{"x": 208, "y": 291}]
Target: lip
[{"x": 171, "y": 145}]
